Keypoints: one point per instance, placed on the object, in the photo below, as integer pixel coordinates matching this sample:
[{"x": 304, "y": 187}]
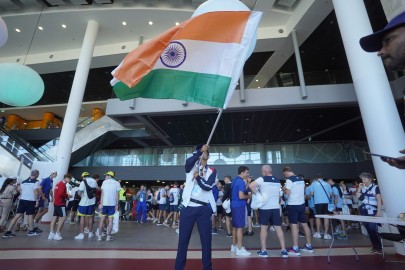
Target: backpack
[
  {"x": 77, "y": 196},
  {"x": 91, "y": 192},
  {"x": 171, "y": 199}
]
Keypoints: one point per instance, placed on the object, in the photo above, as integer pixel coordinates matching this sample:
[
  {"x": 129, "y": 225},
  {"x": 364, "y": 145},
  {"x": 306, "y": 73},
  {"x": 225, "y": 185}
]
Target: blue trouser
[
  {"x": 188, "y": 217},
  {"x": 372, "y": 229},
  {"x": 141, "y": 209}
]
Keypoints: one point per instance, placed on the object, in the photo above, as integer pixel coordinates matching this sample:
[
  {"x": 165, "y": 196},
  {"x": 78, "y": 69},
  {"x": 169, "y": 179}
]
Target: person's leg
[
  {"x": 280, "y": 236},
  {"x": 307, "y": 232},
  {"x": 168, "y": 217},
  {"x": 110, "y": 225},
  {"x": 204, "y": 228},
  {"x": 228, "y": 224},
  {"x": 318, "y": 225},
  {"x": 239, "y": 238},
  {"x": 6, "y": 207},
  {"x": 294, "y": 234},
  {"x": 372, "y": 229},
  {"x": 187, "y": 221},
  {"x": 90, "y": 223},
  {"x": 100, "y": 225},
  {"x": 175, "y": 218},
  {"x": 235, "y": 236},
  {"x": 250, "y": 225},
  {"x": 263, "y": 236},
  {"x": 82, "y": 223},
  {"x": 326, "y": 225},
  {"x": 144, "y": 213},
  {"x": 256, "y": 213},
  {"x": 220, "y": 217},
  {"x": 53, "y": 222},
  {"x": 31, "y": 222},
  {"x": 13, "y": 221},
  {"x": 61, "y": 223}
]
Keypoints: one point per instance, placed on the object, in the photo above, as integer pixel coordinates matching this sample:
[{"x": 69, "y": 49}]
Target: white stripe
[
  {"x": 208, "y": 57},
  {"x": 249, "y": 36}
]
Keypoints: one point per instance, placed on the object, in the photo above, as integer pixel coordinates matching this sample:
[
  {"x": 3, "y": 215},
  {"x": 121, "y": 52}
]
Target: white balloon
[
  {"x": 225, "y": 5},
  {"x": 3, "y": 32}
]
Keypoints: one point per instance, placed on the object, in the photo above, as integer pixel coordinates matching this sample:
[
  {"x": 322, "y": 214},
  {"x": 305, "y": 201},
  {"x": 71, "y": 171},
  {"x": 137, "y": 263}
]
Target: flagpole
[{"x": 215, "y": 125}]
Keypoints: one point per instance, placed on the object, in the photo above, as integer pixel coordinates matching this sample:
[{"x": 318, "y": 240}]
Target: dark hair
[
  {"x": 222, "y": 182},
  {"x": 6, "y": 183},
  {"x": 228, "y": 176},
  {"x": 287, "y": 169},
  {"x": 242, "y": 169},
  {"x": 96, "y": 176},
  {"x": 68, "y": 175},
  {"x": 367, "y": 175}
]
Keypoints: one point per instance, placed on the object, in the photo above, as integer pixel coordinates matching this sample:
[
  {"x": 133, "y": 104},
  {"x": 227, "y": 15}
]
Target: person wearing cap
[
  {"x": 74, "y": 200},
  {"x": 108, "y": 203},
  {"x": 390, "y": 45},
  {"x": 45, "y": 192},
  {"x": 198, "y": 204},
  {"x": 86, "y": 206}
]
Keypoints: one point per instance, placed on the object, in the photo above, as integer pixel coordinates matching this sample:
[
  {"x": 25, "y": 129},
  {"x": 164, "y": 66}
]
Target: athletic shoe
[
  {"x": 57, "y": 237},
  {"x": 284, "y": 254},
  {"x": 86, "y": 230},
  {"x": 25, "y": 228},
  {"x": 8, "y": 234},
  {"x": 32, "y": 233},
  {"x": 256, "y": 225},
  {"x": 214, "y": 231},
  {"x": 327, "y": 237},
  {"x": 113, "y": 232},
  {"x": 247, "y": 233},
  {"x": 262, "y": 253},
  {"x": 99, "y": 238},
  {"x": 159, "y": 224},
  {"x": 165, "y": 224},
  {"x": 301, "y": 234},
  {"x": 242, "y": 252},
  {"x": 155, "y": 220},
  {"x": 341, "y": 236},
  {"x": 317, "y": 235},
  {"x": 109, "y": 238},
  {"x": 293, "y": 252},
  {"x": 233, "y": 248},
  {"x": 51, "y": 236},
  {"x": 91, "y": 234},
  {"x": 272, "y": 229},
  {"x": 307, "y": 248},
  {"x": 177, "y": 231},
  {"x": 38, "y": 230},
  {"x": 80, "y": 236},
  {"x": 229, "y": 235},
  {"x": 220, "y": 229},
  {"x": 377, "y": 251}
]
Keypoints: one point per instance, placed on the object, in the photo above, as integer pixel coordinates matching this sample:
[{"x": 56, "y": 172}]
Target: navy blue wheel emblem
[{"x": 174, "y": 55}]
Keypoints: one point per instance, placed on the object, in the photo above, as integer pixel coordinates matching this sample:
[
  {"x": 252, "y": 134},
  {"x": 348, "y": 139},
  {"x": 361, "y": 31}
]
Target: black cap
[{"x": 373, "y": 42}]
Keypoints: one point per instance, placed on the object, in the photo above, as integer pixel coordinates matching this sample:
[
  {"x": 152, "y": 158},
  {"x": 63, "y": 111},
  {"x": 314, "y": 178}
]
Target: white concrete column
[
  {"x": 75, "y": 100},
  {"x": 382, "y": 124}
]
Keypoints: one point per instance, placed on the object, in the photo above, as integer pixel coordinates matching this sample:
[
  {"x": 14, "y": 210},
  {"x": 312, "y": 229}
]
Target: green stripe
[{"x": 206, "y": 89}]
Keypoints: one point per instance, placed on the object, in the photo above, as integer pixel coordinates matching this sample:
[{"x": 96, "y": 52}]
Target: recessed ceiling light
[
  {"x": 257, "y": 80},
  {"x": 258, "y": 87},
  {"x": 17, "y": 30},
  {"x": 64, "y": 25},
  {"x": 124, "y": 23},
  {"x": 40, "y": 28},
  {"x": 150, "y": 22},
  {"x": 177, "y": 23}
]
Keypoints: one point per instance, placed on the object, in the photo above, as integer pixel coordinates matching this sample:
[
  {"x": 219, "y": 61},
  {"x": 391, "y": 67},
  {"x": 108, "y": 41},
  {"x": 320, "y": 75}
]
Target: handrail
[
  {"x": 17, "y": 151},
  {"x": 23, "y": 143}
]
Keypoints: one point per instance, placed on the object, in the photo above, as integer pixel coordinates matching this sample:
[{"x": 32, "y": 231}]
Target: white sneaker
[
  {"x": 57, "y": 237},
  {"x": 272, "y": 229},
  {"x": 155, "y": 220},
  {"x": 177, "y": 231},
  {"x": 113, "y": 232},
  {"x": 99, "y": 238},
  {"x": 233, "y": 248},
  {"x": 327, "y": 237},
  {"x": 86, "y": 230},
  {"x": 109, "y": 238},
  {"x": 80, "y": 236},
  {"x": 51, "y": 236},
  {"x": 242, "y": 252},
  {"x": 317, "y": 235},
  {"x": 91, "y": 234}
]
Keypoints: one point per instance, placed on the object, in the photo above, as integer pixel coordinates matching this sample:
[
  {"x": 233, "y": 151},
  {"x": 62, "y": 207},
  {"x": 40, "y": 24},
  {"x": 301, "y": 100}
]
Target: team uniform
[
  {"x": 73, "y": 203},
  {"x": 198, "y": 204},
  {"x": 238, "y": 206},
  {"x": 322, "y": 191},
  {"x": 60, "y": 196},
  {"x": 296, "y": 200},
  {"x": 110, "y": 189},
  {"x": 86, "y": 205},
  {"x": 141, "y": 207},
  {"x": 269, "y": 213},
  {"x": 162, "y": 199},
  {"x": 174, "y": 199},
  {"x": 46, "y": 185},
  {"x": 339, "y": 203},
  {"x": 27, "y": 198}
]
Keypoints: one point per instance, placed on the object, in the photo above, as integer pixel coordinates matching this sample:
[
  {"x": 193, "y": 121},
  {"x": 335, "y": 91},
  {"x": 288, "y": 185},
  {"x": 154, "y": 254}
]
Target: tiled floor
[{"x": 154, "y": 247}]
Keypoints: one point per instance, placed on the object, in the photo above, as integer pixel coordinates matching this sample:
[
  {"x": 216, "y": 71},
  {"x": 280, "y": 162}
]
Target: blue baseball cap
[{"x": 373, "y": 42}]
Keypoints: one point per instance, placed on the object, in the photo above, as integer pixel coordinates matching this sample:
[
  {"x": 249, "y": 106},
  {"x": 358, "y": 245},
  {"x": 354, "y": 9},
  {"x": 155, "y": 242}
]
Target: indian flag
[{"x": 198, "y": 61}]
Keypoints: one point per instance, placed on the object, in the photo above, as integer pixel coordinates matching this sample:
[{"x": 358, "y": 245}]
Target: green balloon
[{"x": 19, "y": 85}]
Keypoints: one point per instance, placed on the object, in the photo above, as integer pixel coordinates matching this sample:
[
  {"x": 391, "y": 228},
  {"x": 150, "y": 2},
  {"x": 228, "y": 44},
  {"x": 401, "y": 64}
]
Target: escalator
[{"x": 93, "y": 137}]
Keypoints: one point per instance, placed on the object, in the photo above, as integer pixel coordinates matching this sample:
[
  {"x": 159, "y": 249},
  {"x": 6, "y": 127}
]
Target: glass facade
[{"x": 331, "y": 152}]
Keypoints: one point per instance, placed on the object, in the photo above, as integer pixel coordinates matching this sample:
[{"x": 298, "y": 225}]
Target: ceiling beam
[{"x": 329, "y": 129}]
